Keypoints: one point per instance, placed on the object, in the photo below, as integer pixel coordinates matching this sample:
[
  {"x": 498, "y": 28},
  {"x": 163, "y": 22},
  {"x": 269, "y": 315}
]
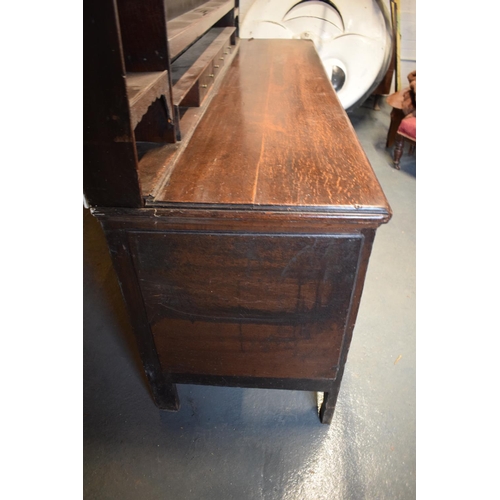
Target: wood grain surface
[
  {"x": 143, "y": 32},
  {"x": 143, "y": 89},
  {"x": 276, "y": 135},
  {"x": 109, "y": 154},
  {"x": 247, "y": 304}
]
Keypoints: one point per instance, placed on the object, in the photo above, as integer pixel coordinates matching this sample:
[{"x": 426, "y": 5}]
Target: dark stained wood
[
  {"x": 220, "y": 218},
  {"x": 330, "y": 397},
  {"x": 153, "y": 164},
  {"x": 157, "y": 163},
  {"x": 200, "y": 271},
  {"x": 399, "y": 147},
  {"x": 187, "y": 28},
  {"x": 246, "y": 265},
  {"x": 199, "y": 295},
  {"x": 109, "y": 174},
  {"x": 192, "y": 116},
  {"x": 144, "y": 34},
  {"x": 109, "y": 167},
  {"x": 397, "y": 116},
  {"x": 203, "y": 64},
  {"x": 162, "y": 388},
  {"x": 143, "y": 28},
  {"x": 206, "y": 314},
  {"x": 156, "y": 166},
  {"x": 157, "y": 124},
  {"x": 185, "y": 62},
  {"x": 142, "y": 90},
  {"x": 329, "y": 401},
  {"x": 200, "y": 88},
  {"x": 275, "y": 136}
]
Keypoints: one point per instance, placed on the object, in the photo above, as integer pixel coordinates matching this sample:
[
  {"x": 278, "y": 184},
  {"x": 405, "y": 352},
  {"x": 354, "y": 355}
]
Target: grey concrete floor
[{"x": 245, "y": 444}]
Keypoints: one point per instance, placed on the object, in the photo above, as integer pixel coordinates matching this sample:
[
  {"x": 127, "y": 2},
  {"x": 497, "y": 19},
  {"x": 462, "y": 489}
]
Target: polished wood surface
[
  {"x": 276, "y": 135},
  {"x": 143, "y": 34},
  {"x": 157, "y": 164}
]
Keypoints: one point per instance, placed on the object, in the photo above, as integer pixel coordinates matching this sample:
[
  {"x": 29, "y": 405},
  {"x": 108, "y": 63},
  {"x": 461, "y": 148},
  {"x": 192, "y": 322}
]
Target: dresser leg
[
  {"x": 165, "y": 396},
  {"x": 163, "y": 389},
  {"x": 328, "y": 407},
  {"x": 330, "y": 400}
]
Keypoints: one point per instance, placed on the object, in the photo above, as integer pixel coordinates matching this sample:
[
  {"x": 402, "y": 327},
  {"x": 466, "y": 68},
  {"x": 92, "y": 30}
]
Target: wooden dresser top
[{"x": 275, "y": 137}]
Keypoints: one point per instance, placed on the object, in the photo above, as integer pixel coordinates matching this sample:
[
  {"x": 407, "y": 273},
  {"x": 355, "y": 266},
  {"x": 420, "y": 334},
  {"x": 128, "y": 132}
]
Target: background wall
[{"x": 408, "y": 39}]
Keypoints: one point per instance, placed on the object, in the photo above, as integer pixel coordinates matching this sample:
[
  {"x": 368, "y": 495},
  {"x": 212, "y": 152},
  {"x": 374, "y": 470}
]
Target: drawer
[
  {"x": 218, "y": 62},
  {"x": 228, "y": 49},
  {"x": 200, "y": 71},
  {"x": 225, "y": 51},
  {"x": 199, "y": 90}
]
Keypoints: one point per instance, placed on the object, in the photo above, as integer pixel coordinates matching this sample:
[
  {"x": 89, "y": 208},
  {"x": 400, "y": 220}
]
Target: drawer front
[
  {"x": 247, "y": 305},
  {"x": 201, "y": 87},
  {"x": 205, "y": 82},
  {"x": 228, "y": 48},
  {"x": 220, "y": 58},
  {"x": 218, "y": 62},
  {"x": 223, "y": 53}
]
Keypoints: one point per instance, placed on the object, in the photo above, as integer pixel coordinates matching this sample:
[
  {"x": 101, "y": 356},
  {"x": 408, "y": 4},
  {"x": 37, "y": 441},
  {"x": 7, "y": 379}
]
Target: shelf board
[
  {"x": 192, "y": 116},
  {"x": 185, "y": 29},
  {"x": 142, "y": 90},
  {"x": 158, "y": 161},
  {"x": 190, "y": 66},
  {"x": 154, "y": 163}
]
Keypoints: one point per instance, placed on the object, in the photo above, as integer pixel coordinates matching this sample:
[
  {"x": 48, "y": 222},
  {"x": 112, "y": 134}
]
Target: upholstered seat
[{"x": 407, "y": 131}]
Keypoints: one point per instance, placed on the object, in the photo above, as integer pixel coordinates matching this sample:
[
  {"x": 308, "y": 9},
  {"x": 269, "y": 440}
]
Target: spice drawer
[{"x": 195, "y": 72}]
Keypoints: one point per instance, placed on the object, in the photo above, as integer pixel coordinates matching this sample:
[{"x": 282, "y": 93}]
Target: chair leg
[
  {"x": 398, "y": 150},
  {"x": 397, "y": 116}
]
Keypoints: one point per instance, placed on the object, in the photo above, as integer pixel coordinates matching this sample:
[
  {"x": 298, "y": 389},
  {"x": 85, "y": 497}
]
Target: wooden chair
[
  {"x": 397, "y": 116},
  {"x": 403, "y": 104},
  {"x": 407, "y": 132}
]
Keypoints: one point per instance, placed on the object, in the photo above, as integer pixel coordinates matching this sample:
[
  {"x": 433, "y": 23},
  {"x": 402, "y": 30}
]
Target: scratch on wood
[{"x": 294, "y": 259}]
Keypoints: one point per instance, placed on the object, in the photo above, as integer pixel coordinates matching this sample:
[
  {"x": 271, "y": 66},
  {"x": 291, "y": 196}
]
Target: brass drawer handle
[
  {"x": 211, "y": 76},
  {"x": 221, "y": 58},
  {"x": 204, "y": 86},
  {"x": 216, "y": 65}
]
